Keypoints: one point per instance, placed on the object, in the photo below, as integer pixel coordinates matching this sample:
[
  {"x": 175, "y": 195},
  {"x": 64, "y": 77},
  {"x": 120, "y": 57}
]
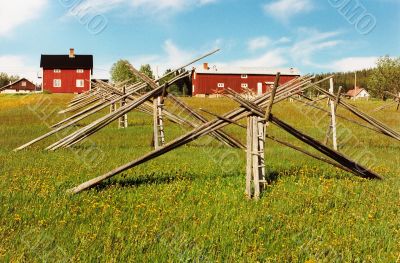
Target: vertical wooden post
[
  {"x": 255, "y": 155},
  {"x": 155, "y": 123},
  {"x": 113, "y": 108},
  {"x": 398, "y": 104},
  {"x": 123, "y": 120},
  {"x": 158, "y": 121},
  {"x": 332, "y": 126},
  {"x": 261, "y": 150},
  {"x": 160, "y": 105},
  {"x": 249, "y": 156},
  {"x": 255, "y": 168}
]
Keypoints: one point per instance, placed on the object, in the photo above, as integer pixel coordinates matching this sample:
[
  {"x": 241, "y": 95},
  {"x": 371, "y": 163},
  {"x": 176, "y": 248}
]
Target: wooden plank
[
  {"x": 271, "y": 102},
  {"x": 255, "y": 154},
  {"x": 249, "y": 151}
]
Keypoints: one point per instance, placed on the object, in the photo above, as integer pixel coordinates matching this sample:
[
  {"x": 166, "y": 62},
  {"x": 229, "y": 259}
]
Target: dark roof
[{"x": 65, "y": 62}]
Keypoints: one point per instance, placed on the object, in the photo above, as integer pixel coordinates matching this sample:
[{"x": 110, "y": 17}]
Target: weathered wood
[
  {"x": 255, "y": 161},
  {"x": 294, "y": 147},
  {"x": 372, "y": 121},
  {"x": 332, "y": 127},
  {"x": 249, "y": 151},
  {"x": 156, "y": 138},
  {"x": 219, "y": 134},
  {"x": 271, "y": 102},
  {"x": 223, "y": 118},
  {"x": 123, "y": 121},
  {"x": 261, "y": 148},
  {"x": 206, "y": 128},
  {"x": 341, "y": 117}
]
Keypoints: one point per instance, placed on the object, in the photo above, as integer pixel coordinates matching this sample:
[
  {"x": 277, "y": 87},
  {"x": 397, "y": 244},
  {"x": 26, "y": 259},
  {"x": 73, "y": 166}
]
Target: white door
[{"x": 259, "y": 88}]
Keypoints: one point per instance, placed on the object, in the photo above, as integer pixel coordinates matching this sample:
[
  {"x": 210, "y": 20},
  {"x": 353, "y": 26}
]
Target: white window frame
[
  {"x": 57, "y": 83},
  {"x": 23, "y": 84},
  {"x": 80, "y": 83},
  {"x": 245, "y": 85},
  {"x": 244, "y": 76},
  {"x": 80, "y": 71},
  {"x": 221, "y": 85},
  {"x": 57, "y": 70}
]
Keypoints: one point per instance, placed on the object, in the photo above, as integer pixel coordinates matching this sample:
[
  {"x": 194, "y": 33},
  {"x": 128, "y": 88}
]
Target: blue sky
[{"x": 311, "y": 35}]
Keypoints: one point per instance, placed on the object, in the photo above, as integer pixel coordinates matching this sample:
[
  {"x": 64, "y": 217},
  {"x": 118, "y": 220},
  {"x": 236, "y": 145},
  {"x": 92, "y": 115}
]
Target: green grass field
[{"x": 189, "y": 205}]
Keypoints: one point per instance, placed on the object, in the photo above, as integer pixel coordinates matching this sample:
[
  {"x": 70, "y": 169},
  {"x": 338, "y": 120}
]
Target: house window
[
  {"x": 57, "y": 83},
  {"x": 221, "y": 85},
  {"x": 245, "y": 85},
  {"x": 80, "y": 83},
  {"x": 79, "y": 71},
  {"x": 57, "y": 71},
  {"x": 23, "y": 83},
  {"x": 244, "y": 76}
]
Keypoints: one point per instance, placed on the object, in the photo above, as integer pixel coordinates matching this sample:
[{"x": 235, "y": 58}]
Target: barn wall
[
  {"x": 208, "y": 83},
  {"x": 68, "y": 80}
]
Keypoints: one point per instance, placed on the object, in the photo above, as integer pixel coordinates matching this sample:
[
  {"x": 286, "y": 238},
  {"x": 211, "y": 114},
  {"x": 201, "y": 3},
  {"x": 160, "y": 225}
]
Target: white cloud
[
  {"x": 283, "y": 10},
  {"x": 17, "y": 12},
  {"x": 152, "y": 7},
  {"x": 258, "y": 43},
  {"x": 353, "y": 63},
  {"x": 17, "y": 65},
  {"x": 283, "y": 40},
  {"x": 269, "y": 59},
  {"x": 171, "y": 58},
  {"x": 285, "y": 52},
  {"x": 310, "y": 43}
]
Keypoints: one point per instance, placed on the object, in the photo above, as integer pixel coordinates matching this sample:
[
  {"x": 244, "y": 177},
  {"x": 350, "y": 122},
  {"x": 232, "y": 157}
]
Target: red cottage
[
  {"x": 208, "y": 81},
  {"x": 67, "y": 73},
  {"x": 20, "y": 86}
]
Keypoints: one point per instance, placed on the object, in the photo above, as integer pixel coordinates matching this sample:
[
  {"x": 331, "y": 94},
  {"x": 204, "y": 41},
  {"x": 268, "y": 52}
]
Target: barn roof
[
  {"x": 15, "y": 82},
  {"x": 248, "y": 71},
  {"x": 65, "y": 62}
]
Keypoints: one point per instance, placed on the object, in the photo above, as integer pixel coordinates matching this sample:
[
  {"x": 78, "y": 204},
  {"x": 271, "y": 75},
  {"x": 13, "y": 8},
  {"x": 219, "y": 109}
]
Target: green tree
[
  {"x": 146, "y": 70},
  {"x": 385, "y": 77},
  {"x": 5, "y": 79},
  {"x": 179, "y": 88},
  {"x": 121, "y": 71}
]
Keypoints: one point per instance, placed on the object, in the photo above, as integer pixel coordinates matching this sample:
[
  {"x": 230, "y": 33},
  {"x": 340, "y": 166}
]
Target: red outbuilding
[
  {"x": 67, "y": 73},
  {"x": 207, "y": 81},
  {"x": 20, "y": 86}
]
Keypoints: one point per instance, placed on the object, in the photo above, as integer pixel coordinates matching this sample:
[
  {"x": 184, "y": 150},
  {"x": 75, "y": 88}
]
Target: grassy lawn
[{"x": 189, "y": 205}]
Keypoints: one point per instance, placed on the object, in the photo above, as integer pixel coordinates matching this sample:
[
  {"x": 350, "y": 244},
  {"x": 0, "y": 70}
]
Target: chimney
[
  {"x": 71, "y": 53},
  {"x": 205, "y": 66}
]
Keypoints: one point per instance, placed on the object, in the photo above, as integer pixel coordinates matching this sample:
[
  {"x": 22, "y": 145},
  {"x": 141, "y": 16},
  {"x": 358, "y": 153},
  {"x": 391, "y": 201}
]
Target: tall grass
[{"x": 189, "y": 205}]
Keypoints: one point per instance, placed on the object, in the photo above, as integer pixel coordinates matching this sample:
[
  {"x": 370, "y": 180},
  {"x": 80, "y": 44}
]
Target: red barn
[
  {"x": 20, "y": 86},
  {"x": 208, "y": 81},
  {"x": 67, "y": 73}
]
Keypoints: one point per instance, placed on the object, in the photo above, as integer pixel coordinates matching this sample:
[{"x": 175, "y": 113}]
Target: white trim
[
  {"x": 244, "y": 76},
  {"x": 57, "y": 83},
  {"x": 57, "y": 70},
  {"x": 80, "y": 83}
]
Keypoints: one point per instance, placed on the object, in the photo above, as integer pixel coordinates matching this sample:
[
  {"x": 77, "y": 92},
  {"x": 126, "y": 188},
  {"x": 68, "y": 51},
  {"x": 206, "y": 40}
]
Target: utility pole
[{"x": 355, "y": 80}]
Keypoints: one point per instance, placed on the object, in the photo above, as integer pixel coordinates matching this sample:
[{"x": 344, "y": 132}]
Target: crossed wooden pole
[{"x": 248, "y": 108}]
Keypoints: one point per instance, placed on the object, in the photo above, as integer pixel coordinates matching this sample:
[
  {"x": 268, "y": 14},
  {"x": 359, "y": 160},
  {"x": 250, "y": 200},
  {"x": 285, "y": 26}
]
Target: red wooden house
[
  {"x": 20, "y": 86},
  {"x": 213, "y": 80},
  {"x": 67, "y": 73}
]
